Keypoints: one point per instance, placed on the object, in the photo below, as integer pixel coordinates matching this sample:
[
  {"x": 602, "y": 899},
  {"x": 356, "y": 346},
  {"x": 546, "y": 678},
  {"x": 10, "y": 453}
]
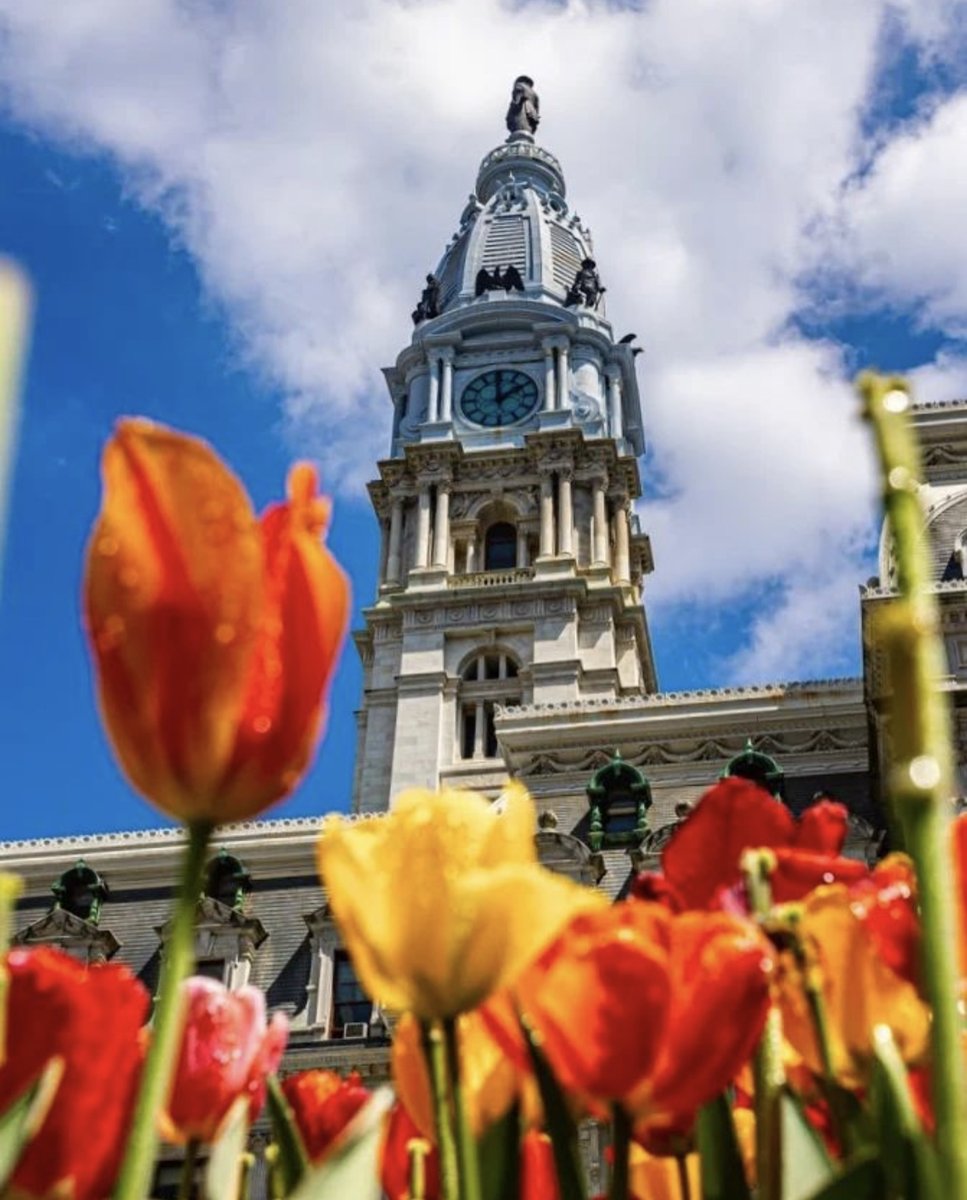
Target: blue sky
[{"x": 204, "y": 254}]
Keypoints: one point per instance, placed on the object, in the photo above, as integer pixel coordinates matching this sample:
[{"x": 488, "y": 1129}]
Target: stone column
[
  {"x": 433, "y": 409},
  {"x": 446, "y": 385},
  {"x": 422, "y": 526},
  {"x": 600, "y": 554},
  {"x": 565, "y": 514},
  {"x": 550, "y": 384},
  {"x": 383, "y": 550},
  {"x": 471, "y": 553},
  {"x": 522, "y": 548},
  {"x": 563, "y": 370},
  {"x": 480, "y": 721},
  {"x": 622, "y": 551},
  {"x": 441, "y": 526},
  {"x": 395, "y": 532},
  {"x": 547, "y": 516},
  {"x": 614, "y": 402}
]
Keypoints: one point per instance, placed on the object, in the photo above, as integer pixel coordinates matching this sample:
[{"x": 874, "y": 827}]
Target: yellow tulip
[
  {"x": 859, "y": 991},
  {"x": 442, "y": 901}
]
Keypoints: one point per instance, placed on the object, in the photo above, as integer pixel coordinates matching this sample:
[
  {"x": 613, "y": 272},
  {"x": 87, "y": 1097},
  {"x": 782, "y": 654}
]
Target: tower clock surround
[{"x": 499, "y": 397}]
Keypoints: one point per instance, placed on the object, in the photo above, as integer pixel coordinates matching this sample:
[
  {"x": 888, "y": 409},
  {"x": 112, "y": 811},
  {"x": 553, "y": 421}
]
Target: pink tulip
[{"x": 227, "y": 1050}]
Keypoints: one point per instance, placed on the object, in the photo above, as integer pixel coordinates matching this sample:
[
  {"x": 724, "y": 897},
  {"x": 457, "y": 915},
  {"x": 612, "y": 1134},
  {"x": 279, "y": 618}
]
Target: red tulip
[
  {"x": 538, "y": 1175},
  {"x": 227, "y": 1050},
  {"x": 401, "y": 1131},
  {"x": 91, "y": 1019},
  {"x": 323, "y": 1104},
  {"x": 214, "y": 634},
  {"x": 704, "y": 854}
]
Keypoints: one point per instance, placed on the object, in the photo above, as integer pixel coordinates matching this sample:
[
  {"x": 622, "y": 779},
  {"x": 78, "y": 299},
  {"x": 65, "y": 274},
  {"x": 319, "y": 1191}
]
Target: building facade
[{"x": 508, "y": 634}]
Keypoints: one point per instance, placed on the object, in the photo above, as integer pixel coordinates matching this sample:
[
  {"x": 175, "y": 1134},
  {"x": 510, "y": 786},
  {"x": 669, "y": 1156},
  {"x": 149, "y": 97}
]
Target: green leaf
[
  {"x": 25, "y": 1116},
  {"x": 223, "y": 1173},
  {"x": 498, "y": 1153},
  {"x": 560, "y": 1124},
  {"x": 291, "y": 1161},
  {"x": 723, "y": 1175},
  {"x": 806, "y": 1166},
  {"x": 353, "y": 1172},
  {"x": 908, "y": 1159},
  {"x": 863, "y": 1179}
]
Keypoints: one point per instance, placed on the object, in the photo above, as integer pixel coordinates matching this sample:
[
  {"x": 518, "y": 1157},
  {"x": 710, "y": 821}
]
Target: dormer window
[
  {"x": 228, "y": 881},
  {"x": 619, "y": 798},
  {"x": 81, "y": 892},
  {"x": 758, "y": 768}
]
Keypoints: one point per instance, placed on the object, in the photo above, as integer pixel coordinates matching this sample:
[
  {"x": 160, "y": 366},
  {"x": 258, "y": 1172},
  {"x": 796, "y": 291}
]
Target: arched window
[
  {"x": 500, "y": 547},
  {"x": 488, "y": 680}
]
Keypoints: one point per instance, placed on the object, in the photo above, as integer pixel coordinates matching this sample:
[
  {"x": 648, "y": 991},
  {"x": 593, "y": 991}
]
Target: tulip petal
[
  {"x": 173, "y": 578},
  {"x": 719, "y": 964},
  {"x": 703, "y": 854},
  {"x": 303, "y": 623}
]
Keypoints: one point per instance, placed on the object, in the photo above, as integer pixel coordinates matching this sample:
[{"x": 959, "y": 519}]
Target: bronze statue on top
[
  {"x": 429, "y": 303},
  {"x": 524, "y": 113},
  {"x": 506, "y": 280},
  {"x": 586, "y": 288}
]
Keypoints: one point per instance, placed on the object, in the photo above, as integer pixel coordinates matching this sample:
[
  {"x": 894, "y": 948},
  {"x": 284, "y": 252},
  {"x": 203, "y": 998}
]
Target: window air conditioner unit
[{"x": 355, "y": 1029}]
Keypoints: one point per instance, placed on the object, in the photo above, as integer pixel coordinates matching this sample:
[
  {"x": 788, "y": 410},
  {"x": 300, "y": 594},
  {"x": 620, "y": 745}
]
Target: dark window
[
  {"x": 490, "y": 733},
  {"x": 468, "y": 730},
  {"x": 211, "y": 968},
  {"x": 349, "y": 1002},
  {"x": 492, "y": 666},
  {"x": 500, "y": 547}
]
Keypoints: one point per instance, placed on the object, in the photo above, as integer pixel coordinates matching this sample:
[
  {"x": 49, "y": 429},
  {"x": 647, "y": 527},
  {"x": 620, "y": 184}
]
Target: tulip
[
  {"x": 323, "y": 1104},
  {"x": 214, "y": 634},
  {"x": 703, "y": 856},
  {"x": 227, "y": 1051},
  {"x": 490, "y": 1080},
  {"x": 628, "y": 1005},
  {"x": 538, "y": 1175},
  {"x": 442, "y": 901},
  {"x": 90, "y": 1019},
  {"x": 401, "y": 1134},
  {"x": 858, "y": 989}
]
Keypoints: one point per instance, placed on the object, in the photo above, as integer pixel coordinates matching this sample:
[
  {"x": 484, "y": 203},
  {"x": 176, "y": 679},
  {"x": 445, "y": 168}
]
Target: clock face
[{"x": 499, "y": 398}]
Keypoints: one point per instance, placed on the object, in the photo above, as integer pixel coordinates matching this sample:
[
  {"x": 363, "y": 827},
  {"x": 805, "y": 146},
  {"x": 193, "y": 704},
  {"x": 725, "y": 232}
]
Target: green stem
[
  {"x": 142, "y": 1148},
  {"x": 683, "y": 1184},
  {"x": 621, "y": 1144},
  {"x": 466, "y": 1145},
  {"x": 186, "y": 1184},
  {"x": 904, "y": 632},
  {"x": 757, "y": 867},
  {"x": 436, "y": 1057}
]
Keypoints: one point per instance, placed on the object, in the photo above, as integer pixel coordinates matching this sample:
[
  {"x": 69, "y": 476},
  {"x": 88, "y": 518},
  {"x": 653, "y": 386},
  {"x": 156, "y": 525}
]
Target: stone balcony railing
[{"x": 491, "y": 578}]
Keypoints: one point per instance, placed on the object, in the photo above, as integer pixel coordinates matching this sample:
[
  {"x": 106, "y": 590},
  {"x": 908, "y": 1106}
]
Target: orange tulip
[
  {"x": 859, "y": 990},
  {"x": 628, "y": 1003},
  {"x": 214, "y": 633}
]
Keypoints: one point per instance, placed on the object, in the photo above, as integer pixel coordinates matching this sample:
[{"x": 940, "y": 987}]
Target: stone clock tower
[{"x": 512, "y": 564}]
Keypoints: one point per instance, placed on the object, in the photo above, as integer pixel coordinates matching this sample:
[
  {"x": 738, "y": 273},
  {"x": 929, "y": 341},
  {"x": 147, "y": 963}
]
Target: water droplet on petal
[
  {"x": 262, "y": 724},
  {"x": 130, "y": 577},
  {"x": 225, "y": 633},
  {"x": 111, "y": 632},
  {"x": 108, "y": 546}
]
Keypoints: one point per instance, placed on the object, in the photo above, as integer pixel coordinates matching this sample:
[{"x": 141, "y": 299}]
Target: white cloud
[
  {"x": 898, "y": 230},
  {"x": 313, "y": 159}
]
